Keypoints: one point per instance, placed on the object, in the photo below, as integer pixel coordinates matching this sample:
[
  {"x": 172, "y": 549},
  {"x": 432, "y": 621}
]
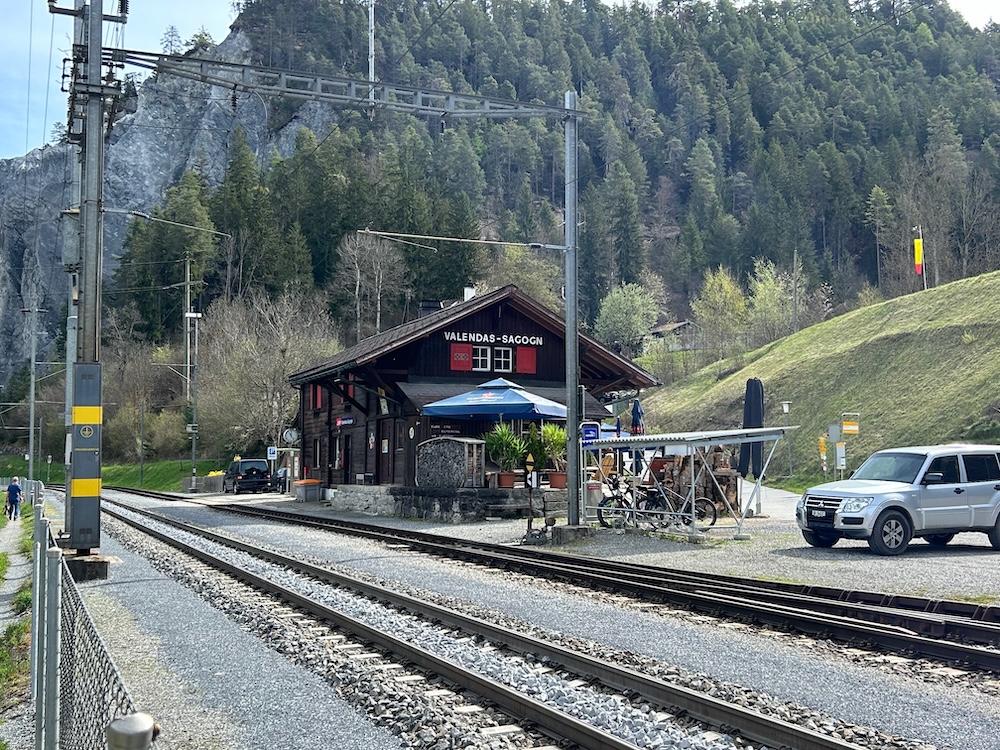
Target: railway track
[
  {"x": 956, "y": 633},
  {"x": 564, "y": 727}
]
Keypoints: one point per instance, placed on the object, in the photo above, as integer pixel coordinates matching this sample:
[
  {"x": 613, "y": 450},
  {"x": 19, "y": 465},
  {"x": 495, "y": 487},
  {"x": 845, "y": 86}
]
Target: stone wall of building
[{"x": 444, "y": 505}]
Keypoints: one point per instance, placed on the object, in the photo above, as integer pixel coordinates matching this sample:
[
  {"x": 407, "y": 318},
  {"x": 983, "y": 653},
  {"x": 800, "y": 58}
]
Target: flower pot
[
  {"x": 505, "y": 479},
  {"x": 557, "y": 480}
]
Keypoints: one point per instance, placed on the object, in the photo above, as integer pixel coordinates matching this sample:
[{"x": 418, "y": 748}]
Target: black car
[{"x": 247, "y": 475}]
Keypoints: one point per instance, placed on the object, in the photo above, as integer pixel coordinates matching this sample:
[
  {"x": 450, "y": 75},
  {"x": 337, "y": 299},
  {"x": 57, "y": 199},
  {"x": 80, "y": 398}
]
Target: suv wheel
[
  {"x": 994, "y": 535},
  {"x": 820, "y": 538},
  {"x": 939, "y": 540},
  {"x": 891, "y": 534},
  {"x": 236, "y": 487}
]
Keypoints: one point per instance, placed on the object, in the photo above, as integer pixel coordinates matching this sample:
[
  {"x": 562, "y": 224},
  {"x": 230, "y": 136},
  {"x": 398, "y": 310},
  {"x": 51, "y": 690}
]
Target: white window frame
[
  {"x": 498, "y": 359},
  {"x": 479, "y": 355}
]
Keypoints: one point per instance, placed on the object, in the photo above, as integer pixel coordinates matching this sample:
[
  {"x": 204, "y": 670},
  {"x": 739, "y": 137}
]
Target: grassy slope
[{"x": 921, "y": 369}]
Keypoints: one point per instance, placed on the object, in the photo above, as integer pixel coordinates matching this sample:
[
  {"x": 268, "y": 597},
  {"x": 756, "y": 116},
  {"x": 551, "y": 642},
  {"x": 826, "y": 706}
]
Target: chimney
[
  {"x": 470, "y": 292},
  {"x": 428, "y": 306}
]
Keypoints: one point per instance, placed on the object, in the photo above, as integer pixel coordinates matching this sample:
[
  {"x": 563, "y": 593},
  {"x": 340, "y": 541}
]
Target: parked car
[
  {"x": 247, "y": 475},
  {"x": 932, "y": 492}
]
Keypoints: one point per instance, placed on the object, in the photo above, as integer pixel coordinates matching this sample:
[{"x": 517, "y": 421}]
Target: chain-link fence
[
  {"x": 91, "y": 691},
  {"x": 77, "y": 688}
]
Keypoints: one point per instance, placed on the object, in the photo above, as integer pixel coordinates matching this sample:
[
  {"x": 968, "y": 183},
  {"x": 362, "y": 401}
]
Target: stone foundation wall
[{"x": 444, "y": 505}]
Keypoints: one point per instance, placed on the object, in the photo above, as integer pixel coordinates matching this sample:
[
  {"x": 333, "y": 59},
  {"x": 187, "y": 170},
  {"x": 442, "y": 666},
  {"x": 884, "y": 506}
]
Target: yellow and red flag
[{"x": 918, "y": 255}]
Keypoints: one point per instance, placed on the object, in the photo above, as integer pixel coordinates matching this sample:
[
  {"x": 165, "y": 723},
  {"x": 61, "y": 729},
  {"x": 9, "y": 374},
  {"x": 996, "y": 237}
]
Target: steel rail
[
  {"x": 896, "y": 631},
  {"x": 515, "y": 704},
  {"x": 728, "y": 717}
]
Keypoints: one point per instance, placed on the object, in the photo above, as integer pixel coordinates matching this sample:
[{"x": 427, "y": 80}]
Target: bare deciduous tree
[
  {"x": 372, "y": 266},
  {"x": 248, "y": 349}
]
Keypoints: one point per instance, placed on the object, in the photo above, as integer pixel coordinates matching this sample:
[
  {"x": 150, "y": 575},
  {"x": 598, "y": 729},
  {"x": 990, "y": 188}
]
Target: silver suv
[{"x": 932, "y": 492}]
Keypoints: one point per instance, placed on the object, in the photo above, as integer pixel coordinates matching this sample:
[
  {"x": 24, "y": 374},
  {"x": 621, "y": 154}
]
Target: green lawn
[
  {"x": 920, "y": 369},
  {"x": 166, "y": 476}
]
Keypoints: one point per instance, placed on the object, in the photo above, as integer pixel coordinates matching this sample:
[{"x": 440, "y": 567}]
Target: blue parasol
[{"x": 496, "y": 398}]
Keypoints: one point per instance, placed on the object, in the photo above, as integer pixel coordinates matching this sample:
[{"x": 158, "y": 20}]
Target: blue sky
[{"x": 30, "y": 97}]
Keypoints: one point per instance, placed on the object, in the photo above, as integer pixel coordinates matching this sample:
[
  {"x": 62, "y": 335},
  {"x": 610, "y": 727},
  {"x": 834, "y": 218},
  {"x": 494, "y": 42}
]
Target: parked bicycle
[
  {"x": 657, "y": 507},
  {"x": 663, "y": 506},
  {"x": 618, "y": 508}
]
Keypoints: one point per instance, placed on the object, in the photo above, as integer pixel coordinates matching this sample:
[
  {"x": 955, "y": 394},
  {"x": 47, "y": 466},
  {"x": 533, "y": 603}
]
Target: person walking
[{"x": 14, "y": 493}]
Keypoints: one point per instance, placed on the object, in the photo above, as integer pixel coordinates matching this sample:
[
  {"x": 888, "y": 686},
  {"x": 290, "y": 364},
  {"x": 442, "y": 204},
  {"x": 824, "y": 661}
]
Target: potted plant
[
  {"x": 554, "y": 440},
  {"x": 536, "y": 448},
  {"x": 507, "y": 450}
]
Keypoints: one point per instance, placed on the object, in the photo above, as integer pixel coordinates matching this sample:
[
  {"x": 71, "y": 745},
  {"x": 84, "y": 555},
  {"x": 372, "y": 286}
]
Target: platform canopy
[{"x": 497, "y": 398}]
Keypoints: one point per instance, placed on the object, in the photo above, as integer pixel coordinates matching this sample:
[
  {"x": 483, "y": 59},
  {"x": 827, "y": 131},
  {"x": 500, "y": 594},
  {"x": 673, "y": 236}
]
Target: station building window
[
  {"x": 481, "y": 358},
  {"x": 503, "y": 359}
]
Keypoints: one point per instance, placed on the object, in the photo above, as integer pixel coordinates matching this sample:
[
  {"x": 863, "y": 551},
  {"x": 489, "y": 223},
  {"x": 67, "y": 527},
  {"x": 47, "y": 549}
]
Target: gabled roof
[{"x": 599, "y": 359}]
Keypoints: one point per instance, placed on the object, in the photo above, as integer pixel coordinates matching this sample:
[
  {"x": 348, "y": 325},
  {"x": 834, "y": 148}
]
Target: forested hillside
[
  {"x": 750, "y": 169},
  {"x": 815, "y": 136}
]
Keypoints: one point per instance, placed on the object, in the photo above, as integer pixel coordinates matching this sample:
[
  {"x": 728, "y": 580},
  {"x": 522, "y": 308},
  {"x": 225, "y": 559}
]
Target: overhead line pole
[
  {"x": 443, "y": 104},
  {"x": 90, "y": 95},
  {"x": 572, "y": 324}
]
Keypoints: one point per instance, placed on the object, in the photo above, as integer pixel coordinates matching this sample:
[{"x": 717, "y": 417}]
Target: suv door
[
  {"x": 982, "y": 474},
  {"x": 944, "y": 501}
]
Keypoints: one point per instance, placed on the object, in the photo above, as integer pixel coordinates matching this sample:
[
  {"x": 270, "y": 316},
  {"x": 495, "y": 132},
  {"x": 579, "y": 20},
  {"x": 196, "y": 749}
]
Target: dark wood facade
[{"x": 360, "y": 412}]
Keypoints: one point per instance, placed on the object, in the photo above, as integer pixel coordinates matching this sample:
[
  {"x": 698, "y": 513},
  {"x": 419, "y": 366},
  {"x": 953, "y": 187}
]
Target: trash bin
[
  {"x": 307, "y": 490},
  {"x": 592, "y": 497}
]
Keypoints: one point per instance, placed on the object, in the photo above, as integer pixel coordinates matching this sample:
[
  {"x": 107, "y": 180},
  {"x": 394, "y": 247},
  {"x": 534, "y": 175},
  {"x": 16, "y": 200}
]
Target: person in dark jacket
[{"x": 14, "y": 494}]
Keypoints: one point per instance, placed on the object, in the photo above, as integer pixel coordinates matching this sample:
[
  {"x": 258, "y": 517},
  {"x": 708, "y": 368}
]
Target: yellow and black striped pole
[{"x": 83, "y": 511}]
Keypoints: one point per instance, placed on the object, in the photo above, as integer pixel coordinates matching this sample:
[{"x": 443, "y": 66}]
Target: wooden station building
[{"x": 360, "y": 412}]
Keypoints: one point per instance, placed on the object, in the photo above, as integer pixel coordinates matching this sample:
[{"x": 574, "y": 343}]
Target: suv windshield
[
  {"x": 247, "y": 465},
  {"x": 891, "y": 467}
]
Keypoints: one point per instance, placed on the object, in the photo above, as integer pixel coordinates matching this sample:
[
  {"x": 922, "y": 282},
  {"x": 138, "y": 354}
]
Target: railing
[{"x": 81, "y": 701}]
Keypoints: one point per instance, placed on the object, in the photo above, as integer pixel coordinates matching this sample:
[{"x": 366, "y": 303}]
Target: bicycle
[
  {"x": 618, "y": 509},
  {"x": 660, "y": 508}
]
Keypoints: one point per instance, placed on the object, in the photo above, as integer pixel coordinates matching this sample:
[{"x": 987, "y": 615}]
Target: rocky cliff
[{"x": 178, "y": 124}]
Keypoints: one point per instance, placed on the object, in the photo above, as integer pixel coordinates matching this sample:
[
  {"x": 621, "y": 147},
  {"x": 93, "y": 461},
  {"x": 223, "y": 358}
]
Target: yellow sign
[
  {"x": 529, "y": 463},
  {"x": 849, "y": 428}
]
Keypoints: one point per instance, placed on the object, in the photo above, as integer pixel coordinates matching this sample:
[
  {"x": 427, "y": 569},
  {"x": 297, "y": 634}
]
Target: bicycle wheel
[
  {"x": 705, "y": 512},
  {"x": 615, "y": 511},
  {"x": 652, "y": 510}
]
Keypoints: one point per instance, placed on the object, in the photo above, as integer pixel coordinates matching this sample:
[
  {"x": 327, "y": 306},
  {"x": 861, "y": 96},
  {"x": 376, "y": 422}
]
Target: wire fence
[
  {"x": 91, "y": 691},
  {"x": 81, "y": 700}
]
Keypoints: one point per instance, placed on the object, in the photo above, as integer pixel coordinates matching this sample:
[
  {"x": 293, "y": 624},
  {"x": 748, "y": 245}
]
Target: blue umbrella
[{"x": 497, "y": 398}]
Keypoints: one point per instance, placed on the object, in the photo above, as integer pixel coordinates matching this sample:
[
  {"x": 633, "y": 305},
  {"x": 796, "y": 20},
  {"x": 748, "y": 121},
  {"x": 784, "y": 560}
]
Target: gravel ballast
[{"x": 897, "y": 699}]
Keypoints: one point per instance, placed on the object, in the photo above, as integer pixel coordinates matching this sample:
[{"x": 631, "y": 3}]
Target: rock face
[{"x": 178, "y": 124}]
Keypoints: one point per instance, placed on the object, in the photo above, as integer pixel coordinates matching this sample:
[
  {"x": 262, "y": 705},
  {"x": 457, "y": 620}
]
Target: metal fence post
[
  {"x": 132, "y": 732},
  {"x": 39, "y": 601},
  {"x": 53, "y": 591},
  {"x": 36, "y": 605}
]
